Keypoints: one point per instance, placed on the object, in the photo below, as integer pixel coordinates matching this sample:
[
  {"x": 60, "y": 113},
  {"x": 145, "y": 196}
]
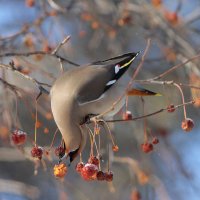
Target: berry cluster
[{"x": 90, "y": 171}]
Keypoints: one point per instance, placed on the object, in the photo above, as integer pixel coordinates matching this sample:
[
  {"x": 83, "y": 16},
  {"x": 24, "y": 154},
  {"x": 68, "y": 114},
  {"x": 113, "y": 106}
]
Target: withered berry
[
  {"x": 109, "y": 176},
  {"x": 37, "y": 152},
  {"x": 171, "y": 108},
  {"x": 127, "y": 115},
  {"x": 101, "y": 176},
  {"x": 30, "y": 3},
  {"x": 115, "y": 148},
  {"x": 89, "y": 172},
  {"x": 135, "y": 195},
  {"x": 79, "y": 167},
  {"x": 147, "y": 147},
  {"x": 156, "y": 3},
  {"x": 187, "y": 124},
  {"x": 18, "y": 137},
  {"x": 93, "y": 160},
  {"x": 155, "y": 140}
]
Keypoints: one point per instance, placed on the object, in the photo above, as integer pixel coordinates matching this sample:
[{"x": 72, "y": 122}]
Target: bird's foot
[{"x": 89, "y": 118}]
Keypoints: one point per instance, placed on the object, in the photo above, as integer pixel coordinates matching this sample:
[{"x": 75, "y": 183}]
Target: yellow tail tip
[{"x": 158, "y": 95}]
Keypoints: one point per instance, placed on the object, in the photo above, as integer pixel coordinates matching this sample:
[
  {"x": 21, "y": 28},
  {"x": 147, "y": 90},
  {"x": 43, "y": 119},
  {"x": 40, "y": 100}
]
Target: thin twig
[
  {"x": 27, "y": 54},
  {"x": 175, "y": 67},
  {"x": 151, "y": 114},
  {"x": 172, "y": 83},
  {"x": 66, "y": 39},
  {"x": 141, "y": 63},
  {"x": 183, "y": 99}
]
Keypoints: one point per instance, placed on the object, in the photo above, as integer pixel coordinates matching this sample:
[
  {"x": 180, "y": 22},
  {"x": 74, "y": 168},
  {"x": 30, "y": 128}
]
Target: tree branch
[
  {"x": 151, "y": 114},
  {"x": 27, "y": 54},
  {"x": 12, "y": 68}
]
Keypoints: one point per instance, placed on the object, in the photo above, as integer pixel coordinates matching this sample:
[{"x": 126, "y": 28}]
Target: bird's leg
[
  {"x": 96, "y": 119},
  {"x": 88, "y": 118}
]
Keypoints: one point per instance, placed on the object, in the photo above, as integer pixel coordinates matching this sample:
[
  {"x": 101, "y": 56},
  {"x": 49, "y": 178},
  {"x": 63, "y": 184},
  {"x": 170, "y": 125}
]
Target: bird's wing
[{"x": 101, "y": 76}]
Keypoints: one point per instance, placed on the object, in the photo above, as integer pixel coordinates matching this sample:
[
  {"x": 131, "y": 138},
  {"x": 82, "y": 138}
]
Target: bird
[{"x": 87, "y": 91}]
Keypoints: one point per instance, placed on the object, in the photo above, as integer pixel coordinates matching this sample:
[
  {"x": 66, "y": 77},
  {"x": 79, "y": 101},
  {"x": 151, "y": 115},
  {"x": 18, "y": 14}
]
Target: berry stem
[
  {"x": 99, "y": 147},
  {"x": 183, "y": 99},
  {"x": 126, "y": 105},
  {"x": 108, "y": 149},
  {"x": 96, "y": 128},
  {"x": 91, "y": 140},
  {"x": 36, "y": 119},
  {"x": 165, "y": 94},
  {"x": 109, "y": 131},
  {"x": 145, "y": 121},
  {"x": 81, "y": 159},
  {"x": 93, "y": 143},
  {"x": 16, "y": 112},
  {"x": 53, "y": 140}
]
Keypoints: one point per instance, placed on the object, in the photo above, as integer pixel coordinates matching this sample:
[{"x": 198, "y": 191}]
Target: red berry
[
  {"x": 115, "y": 148},
  {"x": 37, "y": 152},
  {"x": 187, "y": 124},
  {"x": 30, "y": 3},
  {"x": 155, "y": 140},
  {"x": 101, "y": 176},
  {"x": 89, "y": 172},
  {"x": 93, "y": 160},
  {"x": 156, "y": 3},
  {"x": 60, "y": 151},
  {"x": 79, "y": 167},
  {"x": 18, "y": 137},
  {"x": 109, "y": 176},
  {"x": 172, "y": 17},
  {"x": 60, "y": 170},
  {"x": 147, "y": 147},
  {"x": 135, "y": 195},
  {"x": 127, "y": 115},
  {"x": 171, "y": 108}
]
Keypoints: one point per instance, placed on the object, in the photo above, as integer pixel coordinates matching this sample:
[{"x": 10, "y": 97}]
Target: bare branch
[
  {"x": 27, "y": 54},
  {"x": 175, "y": 67},
  {"x": 13, "y": 69}
]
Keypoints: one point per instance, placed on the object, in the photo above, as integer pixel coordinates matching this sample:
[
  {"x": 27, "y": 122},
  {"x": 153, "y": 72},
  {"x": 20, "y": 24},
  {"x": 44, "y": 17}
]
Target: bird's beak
[{"x": 73, "y": 154}]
